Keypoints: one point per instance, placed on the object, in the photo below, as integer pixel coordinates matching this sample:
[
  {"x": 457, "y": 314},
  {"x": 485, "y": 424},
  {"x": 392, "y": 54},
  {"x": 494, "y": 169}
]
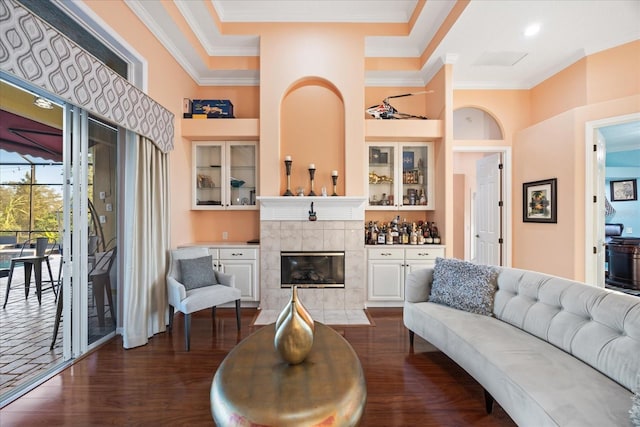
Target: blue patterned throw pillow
[
  {"x": 197, "y": 272},
  {"x": 464, "y": 285}
]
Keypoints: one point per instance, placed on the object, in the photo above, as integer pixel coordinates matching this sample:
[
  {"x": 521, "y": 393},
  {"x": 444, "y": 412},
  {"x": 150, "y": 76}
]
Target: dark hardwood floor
[{"x": 161, "y": 384}]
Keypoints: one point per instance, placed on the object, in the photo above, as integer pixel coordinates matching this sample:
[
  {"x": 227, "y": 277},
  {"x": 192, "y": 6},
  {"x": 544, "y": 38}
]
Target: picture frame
[
  {"x": 539, "y": 201},
  {"x": 624, "y": 190}
]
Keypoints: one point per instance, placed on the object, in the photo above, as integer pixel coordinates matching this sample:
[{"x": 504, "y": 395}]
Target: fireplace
[
  {"x": 285, "y": 227},
  {"x": 323, "y": 269}
]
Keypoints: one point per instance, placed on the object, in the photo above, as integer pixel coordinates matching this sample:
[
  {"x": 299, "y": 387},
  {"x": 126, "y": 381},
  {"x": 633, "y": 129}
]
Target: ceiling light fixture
[
  {"x": 532, "y": 30},
  {"x": 42, "y": 103}
]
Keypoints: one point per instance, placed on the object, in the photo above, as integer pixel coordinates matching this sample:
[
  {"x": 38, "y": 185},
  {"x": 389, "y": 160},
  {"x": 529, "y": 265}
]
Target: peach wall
[
  {"x": 556, "y": 148},
  {"x": 563, "y": 91},
  {"x": 444, "y": 159},
  {"x": 552, "y": 116},
  {"x": 510, "y": 108},
  {"x": 186, "y": 225},
  {"x": 312, "y": 128},
  {"x": 464, "y": 170},
  {"x": 161, "y": 68},
  {"x": 334, "y": 53},
  {"x": 606, "y": 75},
  {"x": 543, "y": 151},
  {"x": 614, "y": 73},
  {"x": 460, "y": 212}
]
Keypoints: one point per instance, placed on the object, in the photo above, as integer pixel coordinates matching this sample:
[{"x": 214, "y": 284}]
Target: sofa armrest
[
  {"x": 225, "y": 279},
  {"x": 417, "y": 285},
  {"x": 175, "y": 291}
]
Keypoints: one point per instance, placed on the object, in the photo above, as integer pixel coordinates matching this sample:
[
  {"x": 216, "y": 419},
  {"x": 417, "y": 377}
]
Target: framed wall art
[
  {"x": 539, "y": 201},
  {"x": 624, "y": 190}
]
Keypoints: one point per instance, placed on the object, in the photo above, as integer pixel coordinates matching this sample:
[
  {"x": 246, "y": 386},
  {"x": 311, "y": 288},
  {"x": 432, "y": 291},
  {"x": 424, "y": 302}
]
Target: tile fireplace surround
[{"x": 285, "y": 226}]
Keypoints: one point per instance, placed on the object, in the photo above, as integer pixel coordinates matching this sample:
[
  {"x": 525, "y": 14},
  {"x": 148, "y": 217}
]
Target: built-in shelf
[
  {"x": 404, "y": 130},
  {"x": 221, "y": 129},
  {"x": 249, "y": 130}
]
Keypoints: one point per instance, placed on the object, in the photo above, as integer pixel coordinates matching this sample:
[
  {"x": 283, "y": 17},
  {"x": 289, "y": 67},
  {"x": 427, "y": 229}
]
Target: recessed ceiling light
[
  {"x": 43, "y": 103},
  {"x": 532, "y": 30}
]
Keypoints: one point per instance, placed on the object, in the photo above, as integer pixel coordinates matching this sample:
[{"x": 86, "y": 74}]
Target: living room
[{"x": 543, "y": 127}]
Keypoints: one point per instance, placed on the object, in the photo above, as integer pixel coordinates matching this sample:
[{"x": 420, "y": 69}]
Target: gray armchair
[{"x": 193, "y": 285}]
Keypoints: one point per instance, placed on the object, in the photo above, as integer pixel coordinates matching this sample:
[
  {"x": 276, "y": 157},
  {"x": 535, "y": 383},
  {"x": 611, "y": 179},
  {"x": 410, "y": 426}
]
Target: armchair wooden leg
[
  {"x": 411, "y": 335},
  {"x": 213, "y": 313},
  {"x": 187, "y": 332},
  {"x": 238, "y": 314},
  {"x": 171, "y": 311}
]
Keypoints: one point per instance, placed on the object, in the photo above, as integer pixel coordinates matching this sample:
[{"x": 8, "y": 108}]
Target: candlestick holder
[
  {"x": 334, "y": 178},
  {"x": 287, "y": 164},
  {"x": 312, "y": 173}
]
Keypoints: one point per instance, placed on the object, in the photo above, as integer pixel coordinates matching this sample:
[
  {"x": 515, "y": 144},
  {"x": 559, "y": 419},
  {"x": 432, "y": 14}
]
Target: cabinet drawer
[
  {"x": 214, "y": 253},
  {"x": 386, "y": 253},
  {"x": 425, "y": 252},
  {"x": 238, "y": 253}
]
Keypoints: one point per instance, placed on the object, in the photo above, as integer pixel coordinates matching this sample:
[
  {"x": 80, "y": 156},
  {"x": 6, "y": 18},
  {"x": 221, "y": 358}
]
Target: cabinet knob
[
  {"x": 386, "y": 254},
  {"x": 236, "y": 254},
  {"x": 423, "y": 254}
]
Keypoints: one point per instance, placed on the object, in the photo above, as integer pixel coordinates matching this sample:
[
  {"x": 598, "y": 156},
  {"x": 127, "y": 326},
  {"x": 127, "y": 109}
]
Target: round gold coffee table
[{"x": 254, "y": 386}]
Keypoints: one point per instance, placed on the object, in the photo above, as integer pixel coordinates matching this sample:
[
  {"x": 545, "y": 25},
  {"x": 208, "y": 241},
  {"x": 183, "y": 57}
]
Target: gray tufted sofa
[{"x": 555, "y": 352}]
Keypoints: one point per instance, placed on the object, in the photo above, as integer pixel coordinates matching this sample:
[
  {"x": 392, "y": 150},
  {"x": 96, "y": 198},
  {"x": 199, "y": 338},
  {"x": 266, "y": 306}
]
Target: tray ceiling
[{"x": 482, "y": 42}]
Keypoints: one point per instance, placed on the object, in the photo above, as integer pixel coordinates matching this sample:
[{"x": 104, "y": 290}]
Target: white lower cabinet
[
  {"x": 242, "y": 262},
  {"x": 387, "y": 267}
]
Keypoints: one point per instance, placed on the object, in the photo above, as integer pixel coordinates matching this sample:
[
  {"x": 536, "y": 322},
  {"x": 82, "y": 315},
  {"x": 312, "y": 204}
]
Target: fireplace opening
[{"x": 312, "y": 269}]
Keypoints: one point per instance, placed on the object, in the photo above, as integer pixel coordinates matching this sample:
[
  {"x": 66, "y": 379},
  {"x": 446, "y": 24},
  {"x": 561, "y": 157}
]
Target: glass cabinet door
[
  {"x": 208, "y": 180},
  {"x": 415, "y": 178},
  {"x": 401, "y": 176},
  {"x": 382, "y": 171},
  {"x": 242, "y": 174}
]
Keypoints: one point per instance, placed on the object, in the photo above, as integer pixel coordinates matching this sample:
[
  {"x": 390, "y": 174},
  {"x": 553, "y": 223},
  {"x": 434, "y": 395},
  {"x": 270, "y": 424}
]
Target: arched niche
[
  {"x": 312, "y": 130},
  {"x": 475, "y": 123}
]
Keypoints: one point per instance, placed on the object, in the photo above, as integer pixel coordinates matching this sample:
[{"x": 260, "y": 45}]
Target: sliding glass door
[{"x": 58, "y": 180}]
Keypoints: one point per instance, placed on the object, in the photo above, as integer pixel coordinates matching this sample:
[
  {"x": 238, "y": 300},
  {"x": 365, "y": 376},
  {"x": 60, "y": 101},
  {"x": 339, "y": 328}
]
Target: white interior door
[{"x": 488, "y": 210}]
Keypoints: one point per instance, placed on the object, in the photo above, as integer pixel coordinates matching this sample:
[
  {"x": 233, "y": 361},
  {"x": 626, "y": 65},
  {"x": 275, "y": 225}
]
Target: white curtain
[{"x": 146, "y": 243}]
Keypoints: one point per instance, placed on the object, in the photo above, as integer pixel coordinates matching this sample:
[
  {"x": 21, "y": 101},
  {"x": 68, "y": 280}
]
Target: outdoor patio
[{"x": 26, "y": 329}]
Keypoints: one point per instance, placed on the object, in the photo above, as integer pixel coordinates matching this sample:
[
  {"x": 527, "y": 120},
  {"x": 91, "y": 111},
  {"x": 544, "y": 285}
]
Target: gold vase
[
  {"x": 299, "y": 307},
  {"x": 293, "y": 336}
]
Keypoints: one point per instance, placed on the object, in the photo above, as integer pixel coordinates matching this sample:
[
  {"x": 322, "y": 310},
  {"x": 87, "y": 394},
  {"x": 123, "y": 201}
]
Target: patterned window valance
[{"x": 33, "y": 51}]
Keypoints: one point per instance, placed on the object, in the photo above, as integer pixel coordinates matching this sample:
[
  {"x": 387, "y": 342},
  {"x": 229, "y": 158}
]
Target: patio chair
[{"x": 43, "y": 250}]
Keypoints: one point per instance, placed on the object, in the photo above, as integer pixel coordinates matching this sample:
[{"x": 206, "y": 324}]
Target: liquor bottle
[
  {"x": 420, "y": 235},
  {"x": 414, "y": 235},
  {"x": 374, "y": 234},
  {"x": 428, "y": 239},
  {"x": 423, "y": 197},
  {"x": 435, "y": 234},
  {"x": 390, "y": 235},
  {"x": 395, "y": 230},
  {"x": 369, "y": 234},
  {"x": 382, "y": 236}
]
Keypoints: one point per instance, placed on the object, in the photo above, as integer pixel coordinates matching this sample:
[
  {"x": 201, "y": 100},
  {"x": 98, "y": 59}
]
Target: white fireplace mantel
[{"x": 296, "y": 208}]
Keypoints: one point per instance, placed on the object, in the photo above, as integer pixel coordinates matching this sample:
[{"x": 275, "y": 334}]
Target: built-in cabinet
[
  {"x": 387, "y": 268},
  {"x": 400, "y": 176},
  {"x": 224, "y": 175},
  {"x": 242, "y": 263}
]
